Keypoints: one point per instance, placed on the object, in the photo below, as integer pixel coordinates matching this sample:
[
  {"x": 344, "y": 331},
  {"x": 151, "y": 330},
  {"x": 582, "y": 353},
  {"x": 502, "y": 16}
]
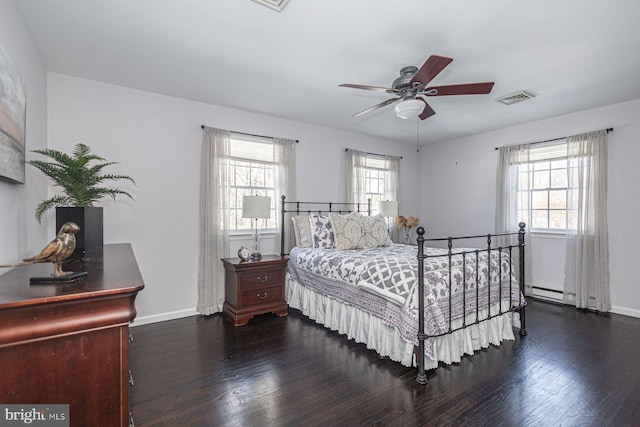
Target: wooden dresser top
[{"x": 114, "y": 272}]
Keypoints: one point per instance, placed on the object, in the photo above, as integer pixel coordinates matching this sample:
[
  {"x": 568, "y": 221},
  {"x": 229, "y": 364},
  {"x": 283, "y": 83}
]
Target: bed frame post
[
  {"x": 521, "y": 232},
  {"x": 282, "y": 210},
  {"x": 422, "y": 376}
]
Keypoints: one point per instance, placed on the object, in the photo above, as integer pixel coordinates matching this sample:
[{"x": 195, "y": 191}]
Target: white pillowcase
[{"x": 302, "y": 231}]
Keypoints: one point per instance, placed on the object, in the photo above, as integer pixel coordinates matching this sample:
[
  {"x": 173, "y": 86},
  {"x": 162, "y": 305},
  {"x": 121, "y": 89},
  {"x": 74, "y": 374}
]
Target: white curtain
[
  {"x": 586, "y": 281},
  {"x": 513, "y": 166},
  {"x": 285, "y": 159},
  {"x": 214, "y": 219},
  {"x": 358, "y": 162}
]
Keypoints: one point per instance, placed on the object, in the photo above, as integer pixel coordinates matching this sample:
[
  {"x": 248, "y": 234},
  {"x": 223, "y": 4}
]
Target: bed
[{"x": 416, "y": 304}]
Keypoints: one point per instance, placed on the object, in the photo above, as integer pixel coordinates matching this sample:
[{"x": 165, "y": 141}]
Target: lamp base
[{"x": 256, "y": 256}]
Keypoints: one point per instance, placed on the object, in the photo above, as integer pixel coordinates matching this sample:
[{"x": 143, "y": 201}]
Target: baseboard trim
[
  {"x": 163, "y": 317},
  {"x": 625, "y": 311},
  {"x": 553, "y": 295}
]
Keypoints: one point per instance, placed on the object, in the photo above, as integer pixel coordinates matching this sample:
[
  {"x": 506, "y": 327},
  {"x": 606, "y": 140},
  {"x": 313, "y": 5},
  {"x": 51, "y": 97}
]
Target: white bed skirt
[{"x": 365, "y": 328}]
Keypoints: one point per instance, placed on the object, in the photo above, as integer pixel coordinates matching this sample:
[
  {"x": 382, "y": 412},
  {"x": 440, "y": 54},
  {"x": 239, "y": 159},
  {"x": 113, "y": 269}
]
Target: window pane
[
  {"x": 558, "y": 199},
  {"x": 242, "y": 174},
  {"x": 541, "y": 179},
  {"x": 559, "y": 178},
  {"x": 540, "y": 200},
  {"x": 540, "y": 219},
  {"x": 558, "y": 219}
]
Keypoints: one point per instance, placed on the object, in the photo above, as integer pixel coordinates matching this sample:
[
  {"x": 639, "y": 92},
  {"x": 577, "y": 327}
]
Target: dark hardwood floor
[{"x": 575, "y": 368}]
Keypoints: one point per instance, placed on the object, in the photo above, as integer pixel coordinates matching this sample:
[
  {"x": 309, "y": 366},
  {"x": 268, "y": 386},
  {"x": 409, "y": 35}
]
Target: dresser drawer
[
  {"x": 260, "y": 279},
  {"x": 261, "y": 296}
]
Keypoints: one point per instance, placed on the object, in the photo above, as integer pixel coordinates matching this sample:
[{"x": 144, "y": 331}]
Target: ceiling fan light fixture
[{"x": 409, "y": 108}]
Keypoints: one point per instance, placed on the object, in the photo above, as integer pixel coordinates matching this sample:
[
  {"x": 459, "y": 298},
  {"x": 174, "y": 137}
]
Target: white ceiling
[{"x": 573, "y": 54}]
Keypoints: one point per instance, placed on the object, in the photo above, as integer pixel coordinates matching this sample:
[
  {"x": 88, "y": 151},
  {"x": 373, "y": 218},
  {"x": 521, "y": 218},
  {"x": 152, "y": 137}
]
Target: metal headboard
[{"x": 320, "y": 208}]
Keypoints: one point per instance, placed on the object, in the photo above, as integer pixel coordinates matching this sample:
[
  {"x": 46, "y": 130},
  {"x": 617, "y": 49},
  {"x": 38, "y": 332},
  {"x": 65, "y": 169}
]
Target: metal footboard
[{"x": 514, "y": 305}]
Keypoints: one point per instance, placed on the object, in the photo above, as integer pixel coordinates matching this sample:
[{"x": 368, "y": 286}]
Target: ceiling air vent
[
  {"x": 273, "y": 4},
  {"x": 513, "y": 98}
]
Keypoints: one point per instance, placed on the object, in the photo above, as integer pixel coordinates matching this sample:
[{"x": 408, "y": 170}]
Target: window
[
  {"x": 252, "y": 171},
  {"x": 543, "y": 189},
  {"x": 372, "y": 177},
  {"x": 375, "y": 182}
]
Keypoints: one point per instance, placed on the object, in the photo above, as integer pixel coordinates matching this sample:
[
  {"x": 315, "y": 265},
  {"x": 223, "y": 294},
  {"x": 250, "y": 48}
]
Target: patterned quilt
[{"x": 360, "y": 277}]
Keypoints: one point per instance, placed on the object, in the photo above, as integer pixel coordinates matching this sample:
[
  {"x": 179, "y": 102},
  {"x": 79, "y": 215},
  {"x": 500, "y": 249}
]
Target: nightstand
[{"x": 254, "y": 287}]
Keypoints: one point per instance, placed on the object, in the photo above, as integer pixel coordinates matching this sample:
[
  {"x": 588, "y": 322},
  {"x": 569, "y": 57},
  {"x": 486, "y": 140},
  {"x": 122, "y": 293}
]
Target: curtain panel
[
  {"x": 214, "y": 219},
  {"x": 586, "y": 279},
  {"x": 285, "y": 159},
  {"x": 512, "y": 167}
]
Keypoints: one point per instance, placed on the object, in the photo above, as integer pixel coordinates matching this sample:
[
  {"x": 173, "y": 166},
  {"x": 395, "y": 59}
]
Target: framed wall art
[{"x": 13, "y": 97}]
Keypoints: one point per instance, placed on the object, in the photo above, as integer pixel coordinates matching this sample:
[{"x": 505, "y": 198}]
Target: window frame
[
  {"x": 237, "y": 160},
  {"x": 543, "y": 160}
]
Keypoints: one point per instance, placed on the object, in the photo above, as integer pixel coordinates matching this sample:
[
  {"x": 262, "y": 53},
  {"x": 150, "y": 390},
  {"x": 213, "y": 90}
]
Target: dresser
[
  {"x": 69, "y": 343},
  {"x": 254, "y": 287}
]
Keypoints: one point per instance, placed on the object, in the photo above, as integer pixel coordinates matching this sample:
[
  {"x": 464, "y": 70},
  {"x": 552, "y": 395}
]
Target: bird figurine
[{"x": 58, "y": 250}]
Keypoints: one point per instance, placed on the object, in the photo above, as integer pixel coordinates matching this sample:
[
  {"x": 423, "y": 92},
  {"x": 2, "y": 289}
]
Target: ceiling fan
[{"x": 411, "y": 88}]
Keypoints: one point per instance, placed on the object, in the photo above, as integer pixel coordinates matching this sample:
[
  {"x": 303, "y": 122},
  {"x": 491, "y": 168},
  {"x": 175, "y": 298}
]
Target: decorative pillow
[
  {"x": 375, "y": 231},
  {"x": 302, "y": 231},
  {"x": 347, "y": 230},
  {"x": 322, "y": 232}
]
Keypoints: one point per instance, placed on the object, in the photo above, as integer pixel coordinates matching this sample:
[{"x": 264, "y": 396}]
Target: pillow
[
  {"x": 347, "y": 230},
  {"x": 375, "y": 231},
  {"x": 302, "y": 231},
  {"x": 322, "y": 231}
]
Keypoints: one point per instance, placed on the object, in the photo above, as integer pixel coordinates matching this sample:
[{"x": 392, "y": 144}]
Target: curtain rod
[
  {"x": 554, "y": 139},
  {"x": 373, "y": 154},
  {"x": 251, "y": 134}
]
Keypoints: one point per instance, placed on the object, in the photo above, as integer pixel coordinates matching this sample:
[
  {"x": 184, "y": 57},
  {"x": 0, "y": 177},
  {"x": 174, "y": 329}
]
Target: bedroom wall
[
  {"x": 20, "y": 233},
  {"x": 157, "y": 140},
  {"x": 461, "y": 198}
]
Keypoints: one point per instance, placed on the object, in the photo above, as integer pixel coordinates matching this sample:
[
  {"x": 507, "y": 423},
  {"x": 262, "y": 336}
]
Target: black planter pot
[{"x": 90, "y": 237}]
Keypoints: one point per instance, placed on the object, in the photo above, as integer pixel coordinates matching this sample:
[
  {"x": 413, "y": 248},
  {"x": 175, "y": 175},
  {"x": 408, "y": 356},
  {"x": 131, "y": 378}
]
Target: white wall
[
  {"x": 459, "y": 179},
  {"x": 20, "y": 234},
  {"x": 157, "y": 140}
]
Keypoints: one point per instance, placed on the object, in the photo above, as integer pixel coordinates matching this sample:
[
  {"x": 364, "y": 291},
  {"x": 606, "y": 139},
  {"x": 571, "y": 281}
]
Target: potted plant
[{"x": 82, "y": 187}]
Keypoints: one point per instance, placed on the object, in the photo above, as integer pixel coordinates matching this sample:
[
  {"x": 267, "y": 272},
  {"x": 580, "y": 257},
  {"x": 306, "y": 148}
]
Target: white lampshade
[
  {"x": 388, "y": 208},
  {"x": 256, "y": 207},
  {"x": 409, "y": 108}
]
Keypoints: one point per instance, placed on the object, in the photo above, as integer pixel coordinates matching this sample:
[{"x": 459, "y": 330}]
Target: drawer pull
[
  {"x": 264, "y": 280},
  {"x": 262, "y": 296},
  {"x": 130, "y": 379}
]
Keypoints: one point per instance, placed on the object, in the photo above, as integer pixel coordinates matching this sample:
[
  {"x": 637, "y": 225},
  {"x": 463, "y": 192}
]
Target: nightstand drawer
[
  {"x": 261, "y": 296},
  {"x": 260, "y": 279}
]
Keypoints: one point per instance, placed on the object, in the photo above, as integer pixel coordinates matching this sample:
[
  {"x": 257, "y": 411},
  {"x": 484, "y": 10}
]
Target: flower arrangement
[{"x": 407, "y": 224}]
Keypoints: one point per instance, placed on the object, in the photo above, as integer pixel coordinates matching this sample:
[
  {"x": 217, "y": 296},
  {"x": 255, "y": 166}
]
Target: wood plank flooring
[{"x": 575, "y": 368}]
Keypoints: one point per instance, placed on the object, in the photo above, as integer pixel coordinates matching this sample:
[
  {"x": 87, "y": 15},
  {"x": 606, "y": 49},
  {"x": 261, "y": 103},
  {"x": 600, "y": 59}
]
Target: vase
[
  {"x": 407, "y": 235},
  {"x": 89, "y": 239}
]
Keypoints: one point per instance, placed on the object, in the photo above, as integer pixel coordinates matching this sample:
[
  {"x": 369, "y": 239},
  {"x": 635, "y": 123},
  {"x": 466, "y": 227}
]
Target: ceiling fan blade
[
  {"x": 375, "y": 107},
  {"x": 461, "y": 89},
  {"x": 365, "y": 87},
  {"x": 427, "y": 112},
  {"x": 431, "y": 68}
]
